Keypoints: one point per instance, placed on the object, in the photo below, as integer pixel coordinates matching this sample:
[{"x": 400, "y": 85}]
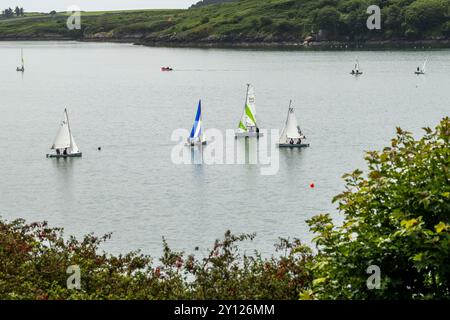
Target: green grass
[{"x": 247, "y": 21}]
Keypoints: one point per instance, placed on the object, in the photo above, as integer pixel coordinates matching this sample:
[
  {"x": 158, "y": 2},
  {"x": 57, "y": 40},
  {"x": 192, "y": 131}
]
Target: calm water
[{"x": 118, "y": 99}]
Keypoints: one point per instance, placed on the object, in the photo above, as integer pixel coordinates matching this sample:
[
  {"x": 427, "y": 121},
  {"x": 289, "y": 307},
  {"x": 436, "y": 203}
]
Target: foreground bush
[
  {"x": 398, "y": 219},
  {"x": 34, "y": 259}
]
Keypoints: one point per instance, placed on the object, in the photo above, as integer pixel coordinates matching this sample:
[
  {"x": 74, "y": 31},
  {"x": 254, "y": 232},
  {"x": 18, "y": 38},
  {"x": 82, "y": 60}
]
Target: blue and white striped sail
[{"x": 197, "y": 129}]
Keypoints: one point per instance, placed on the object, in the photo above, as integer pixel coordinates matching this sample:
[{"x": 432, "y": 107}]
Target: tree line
[{"x": 9, "y": 12}]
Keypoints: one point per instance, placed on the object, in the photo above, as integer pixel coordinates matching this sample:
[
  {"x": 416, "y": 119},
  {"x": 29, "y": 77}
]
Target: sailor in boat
[
  {"x": 64, "y": 144},
  {"x": 292, "y": 135}
]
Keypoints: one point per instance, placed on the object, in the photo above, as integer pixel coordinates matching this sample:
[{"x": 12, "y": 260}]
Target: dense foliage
[
  {"x": 396, "y": 218},
  {"x": 248, "y": 21},
  {"x": 34, "y": 259}
]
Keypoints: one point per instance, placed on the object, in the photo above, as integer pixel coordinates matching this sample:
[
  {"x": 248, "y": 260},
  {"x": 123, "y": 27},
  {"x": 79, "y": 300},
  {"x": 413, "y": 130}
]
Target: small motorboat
[{"x": 166, "y": 69}]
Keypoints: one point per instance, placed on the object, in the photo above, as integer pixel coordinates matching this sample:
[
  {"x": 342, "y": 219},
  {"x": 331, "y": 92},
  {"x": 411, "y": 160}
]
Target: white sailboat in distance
[
  {"x": 22, "y": 68},
  {"x": 292, "y": 136},
  {"x": 356, "y": 71},
  {"x": 64, "y": 145},
  {"x": 422, "y": 71},
  {"x": 197, "y": 137},
  {"x": 248, "y": 126}
]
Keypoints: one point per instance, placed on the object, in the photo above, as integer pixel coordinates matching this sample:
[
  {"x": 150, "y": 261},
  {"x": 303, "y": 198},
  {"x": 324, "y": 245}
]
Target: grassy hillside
[
  {"x": 248, "y": 21},
  {"x": 203, "y": 3}
]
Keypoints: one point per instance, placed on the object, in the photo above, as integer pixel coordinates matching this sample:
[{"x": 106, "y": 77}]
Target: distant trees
[
  {"x": 9, "y": 12},
  {"x": 426, "y": 14},
  {"x": 285, "y": 20},
  {"x": 327, "y": 18}
]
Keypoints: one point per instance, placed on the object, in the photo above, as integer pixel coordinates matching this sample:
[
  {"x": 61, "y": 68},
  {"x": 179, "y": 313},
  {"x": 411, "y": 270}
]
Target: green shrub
[
  {"x": 35, "y": 258},
  {"x": 397, "y": 218}
]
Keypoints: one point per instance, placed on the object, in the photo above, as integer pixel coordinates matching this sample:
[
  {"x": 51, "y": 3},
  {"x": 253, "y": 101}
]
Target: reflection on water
[
  {"x": 292, "y": 157},
  {"x": 64, "y": 171}
]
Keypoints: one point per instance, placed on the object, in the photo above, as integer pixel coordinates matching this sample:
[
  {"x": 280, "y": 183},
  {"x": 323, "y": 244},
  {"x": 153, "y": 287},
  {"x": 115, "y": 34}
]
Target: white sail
[
  {"x": 424, "y": 66},
  {"x": 292, "y": 131},
  {"x": 23, "y": 62},
  {"x": 64, "y": 138},
  {"x": 248, "y": 119},
  {"x": 73, "y": 148},
  {"x": 291, "y": 128}
]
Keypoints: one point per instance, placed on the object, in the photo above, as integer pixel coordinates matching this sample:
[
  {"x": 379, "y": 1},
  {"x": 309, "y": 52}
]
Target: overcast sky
[{"x": 94, "y": 5}]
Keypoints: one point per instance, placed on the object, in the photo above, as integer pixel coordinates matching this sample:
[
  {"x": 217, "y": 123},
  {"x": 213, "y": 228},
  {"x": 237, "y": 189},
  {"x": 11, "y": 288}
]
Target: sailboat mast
[
  {"x": 289, "y": 110},
  {"x": 200, "y": 137},
  {"x": 68, "y": 126}
]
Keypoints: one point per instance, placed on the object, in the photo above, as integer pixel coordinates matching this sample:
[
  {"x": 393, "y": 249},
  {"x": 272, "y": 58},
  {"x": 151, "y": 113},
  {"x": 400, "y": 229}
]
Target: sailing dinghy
[
  {"x": 356, "y": 71},
  {"x": 197, "y": 137},
  {"x": 22, "y": 68},
  {"x": 292, "y": 136},
  {"x": 422, "y": 71},
  {"x": 248, "y": 126},
  {"x": 64, "y": 145}
]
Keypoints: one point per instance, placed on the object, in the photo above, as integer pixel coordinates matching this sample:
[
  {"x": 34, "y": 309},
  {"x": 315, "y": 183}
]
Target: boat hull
[
  {"x": 288, "y": 145},
  {"x": 248, "y": 134},
  {"x": 64, "y": 156},
  {"x": 418, "y": 73},
  {"x": 194, "y": 144}
]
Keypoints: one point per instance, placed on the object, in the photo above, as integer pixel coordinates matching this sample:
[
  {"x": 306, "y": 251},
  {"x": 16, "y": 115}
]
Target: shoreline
[{"x": 429, "y": 44}]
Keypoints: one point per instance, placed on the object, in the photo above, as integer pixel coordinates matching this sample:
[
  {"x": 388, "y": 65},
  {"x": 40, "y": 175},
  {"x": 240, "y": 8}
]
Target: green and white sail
[{"x": 248, "y": 119}]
